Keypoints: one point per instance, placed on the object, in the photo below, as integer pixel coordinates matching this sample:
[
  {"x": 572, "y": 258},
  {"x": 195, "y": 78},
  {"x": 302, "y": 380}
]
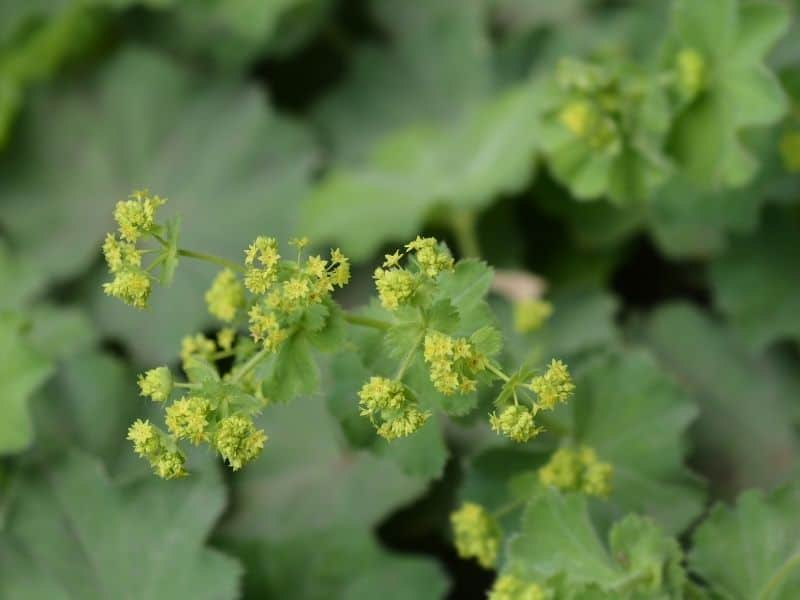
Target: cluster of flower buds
[
  {"x": 390, "y": 408},
  {"x": 286, "y": 289},
  {"x": 592, "y": 104},
  {"x": 135, "y": 218},
  {"x": 453, "y": 363},
  {"x": 397, "y": 285},
  {"x": 518, "y": 420},
  {"x": 578, "y": 470},
  {"x": 205, "y": 415},
  {"x": 690, "y": 68},
  {"x": 476, "y": 534},
  {"x": 509, "y": 587}
]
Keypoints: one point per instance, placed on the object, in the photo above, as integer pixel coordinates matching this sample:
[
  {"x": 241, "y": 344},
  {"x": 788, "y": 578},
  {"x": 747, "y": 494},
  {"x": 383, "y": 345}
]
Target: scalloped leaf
[{"x": 72, "y": 532}]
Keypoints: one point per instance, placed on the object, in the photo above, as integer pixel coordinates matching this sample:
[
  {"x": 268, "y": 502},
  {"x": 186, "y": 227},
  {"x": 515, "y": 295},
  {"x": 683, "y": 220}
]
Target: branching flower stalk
[{"x": 441, "y": 339}]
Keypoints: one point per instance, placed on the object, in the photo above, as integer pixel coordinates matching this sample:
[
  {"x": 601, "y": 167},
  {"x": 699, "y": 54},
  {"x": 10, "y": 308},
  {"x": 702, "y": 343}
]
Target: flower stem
[
  {"x": 491, "y": 368},
  {"x": 401, "y": 370},
  {"x": 508, "y": 507},
  {"x": 217, "y": 260},
  {"x": 462, "y": 222},
  {"x": 366, "y": 321},
  {"x": 250, "y": 365}
]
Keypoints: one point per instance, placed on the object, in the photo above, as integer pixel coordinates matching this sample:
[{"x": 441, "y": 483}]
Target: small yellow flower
[
  {"x": 388, "y": 407},
  {"x": 131, "y": 285},
  {"x": 508, "y": 587},
  {"x": 476, "y": 534},
  {"x": 395, "y": 287},
  {"x": 198, "y": 346},
  {"x": 300, "y": 242},
  {"x": 136, "y": 216},
  {"x": 392, "y": 260},
  {"x": 516, "y": 422},
  {"x": 187, "y": 419},
  {"x": 169, "y": 465},
  {"x": 238, "y": 441},
  {"x": 578, "y": 470},
  {"x": 225, "y": 338},
  {"x": 120, "y": 254},
  {"x": 156, "y": 384},
  {"x": 316, "y": 266},
  {"x": 529, "y": 315},
  {"x": 554, "y": 386},
  {"x": 691, "y": 70},
  {"x": 225, "y": 296},
  {"x": 145, "y": 438}
]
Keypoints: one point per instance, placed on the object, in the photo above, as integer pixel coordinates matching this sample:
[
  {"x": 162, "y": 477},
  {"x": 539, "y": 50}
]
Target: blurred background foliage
[{"x": 362, "y": 123}]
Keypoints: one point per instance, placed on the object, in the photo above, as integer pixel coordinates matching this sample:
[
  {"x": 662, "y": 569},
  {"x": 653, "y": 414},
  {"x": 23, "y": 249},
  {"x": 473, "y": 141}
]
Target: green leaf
[
  {"x": 292, "y": 371},
  {"x": 88, "y": 404},
  {"x": 22, "y": 371},
  {"x": 740, "y": 93},
  {"x": 225, "y": 160},
  {"x": 421, "y": 169},
  {"x": 306, "y": 509},
  {"x": 634, "y": 416},
  {"x": 558, "y": 538},
  {"x": 72, "y": 533},
  {"x": 422, "y": 454},
  {"x": 743, "y": 437},
  {"x": 466, "y": 287},
  {"x": 171, "y": 252},
  {"x": 757, "y": 277},
  {"x": 751, "y": 552}
]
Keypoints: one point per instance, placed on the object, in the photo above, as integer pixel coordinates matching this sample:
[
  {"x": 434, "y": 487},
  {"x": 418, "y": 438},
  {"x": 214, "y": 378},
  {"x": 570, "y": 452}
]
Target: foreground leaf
[
  {"x": 22, "y": 370},
  {"x": 752, "y": 551},
  {"x": 558, "y": 539},
  {"x": 223, "y": 158},
  {"x": 73, "y": 533}
]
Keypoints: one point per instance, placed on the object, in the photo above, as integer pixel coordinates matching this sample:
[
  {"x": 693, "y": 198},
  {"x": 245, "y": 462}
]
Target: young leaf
[{"x": 558, "y": 538}]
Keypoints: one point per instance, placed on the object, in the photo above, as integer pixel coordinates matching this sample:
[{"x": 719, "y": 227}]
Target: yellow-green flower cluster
[
  {"x": 152, "y": 445},
  {"x": 476, "y": 534},
  {"x": 516, "y": 422},
  {"x": 225, "y": 296},
  {"x": 187, "y": 419},
  {"x": 554, "y": 386},
  {"x": 589, "y": 111},
  {"x": 397, "y": 285},
  {"x": 691, "y": 72},
  {"x": 135, "y": 217},
  {"x": 238, "y": 441},
  {"x": 196, "y": 346},
  {"x": 156, "y": 384},
  {"x": 287, "y": 288},
  {"x": 578, "y": 470},
  {"x": 790, "y": 150},
  {"x": 529, "y": 315},
  {"x": 508, "y": 587},
  {"x": 389, "y": 408},
  {"x": 453, "y": 363}
]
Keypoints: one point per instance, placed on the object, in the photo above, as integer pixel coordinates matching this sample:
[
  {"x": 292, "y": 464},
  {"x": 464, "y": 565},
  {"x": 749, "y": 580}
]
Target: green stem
[
  {"x": 462, "y": 223},
  {"x": 217, "y": 260},
  {"x": 507, "y": 508},
  {"x": 366, "y": 321},
  {"x": 182, "y": 384},
  {"x": 401, "y": 370},
  {"x": 250, "y": 365},
  {"x": 492, "y": 369},
  {"x": 774, "y": 583}
]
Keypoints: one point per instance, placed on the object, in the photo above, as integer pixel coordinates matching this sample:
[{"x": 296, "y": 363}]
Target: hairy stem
[
  {"x": 217, "y": 260},
  {"x": 250, "y": 365}
]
